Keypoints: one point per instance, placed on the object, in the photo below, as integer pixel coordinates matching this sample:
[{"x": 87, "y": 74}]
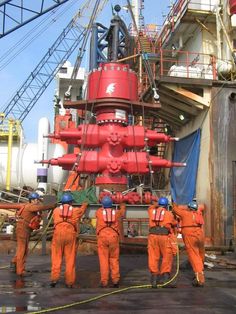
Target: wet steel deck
[{"x": 218, "y": 296}]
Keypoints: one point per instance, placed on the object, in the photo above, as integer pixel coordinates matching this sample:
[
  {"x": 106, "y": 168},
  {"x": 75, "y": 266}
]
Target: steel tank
[{"x": 24, "y": 169}]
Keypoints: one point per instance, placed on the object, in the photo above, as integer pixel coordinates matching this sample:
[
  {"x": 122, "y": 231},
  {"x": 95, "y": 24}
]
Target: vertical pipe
[
  {"x": 115, "y": 39},
  {"x": 44, "y": 238},
  {"x": 42, "y": 171},
  {"x": 135, "y": 9},
  {"x": 161, "y": 57},
  {"x": 93, "y": 59},
  {"x": 214, "y": 68},
  {"x": 234, "y": 207},
  {"x": 19, "y": 172},
  {"x": 187, "y": 63},
  {"x": 140, "y": 74},
  {"x": 218, "y": 33},
  {"x": 9, "y": 154}
]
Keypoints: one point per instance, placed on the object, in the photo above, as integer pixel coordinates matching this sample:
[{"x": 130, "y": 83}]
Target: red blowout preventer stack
[{"x": 112, "y": 149}]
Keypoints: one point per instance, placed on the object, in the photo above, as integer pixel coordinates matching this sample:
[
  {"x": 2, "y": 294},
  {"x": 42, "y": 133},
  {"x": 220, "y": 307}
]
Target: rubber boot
[
  {"x": 13, "y": 267},
  {"x": 53, "y": 284},
  {"x": 116, "y": 284},
  {"x": 26, "y": 274},
  {"x": 199, "y": 280},
  {"x": 165, "y": 277},
  {"x": 103, "y": 285},
  {"x": 154, "y": 281}
]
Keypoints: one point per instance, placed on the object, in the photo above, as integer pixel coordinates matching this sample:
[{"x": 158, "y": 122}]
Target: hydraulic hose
[{"x": 104, "y": 295}]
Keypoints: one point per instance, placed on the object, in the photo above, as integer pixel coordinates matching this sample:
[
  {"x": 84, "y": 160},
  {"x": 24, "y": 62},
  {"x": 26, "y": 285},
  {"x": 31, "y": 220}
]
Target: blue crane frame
[{"x": 22, "y": 13}]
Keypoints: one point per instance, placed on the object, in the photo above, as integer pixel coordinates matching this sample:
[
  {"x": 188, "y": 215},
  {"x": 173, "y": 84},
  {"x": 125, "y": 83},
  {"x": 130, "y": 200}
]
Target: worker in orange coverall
[
  {"x": 107, "y": 230},
  {"x": 27, "y": 221},
  {"x": 193, "y": 237},
  {"x": 64, "y": 242},
  {"x": 161, "y": 241}
]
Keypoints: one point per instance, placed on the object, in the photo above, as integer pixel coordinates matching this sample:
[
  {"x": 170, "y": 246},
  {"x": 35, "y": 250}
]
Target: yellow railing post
[{"x": 9, "y": 154}]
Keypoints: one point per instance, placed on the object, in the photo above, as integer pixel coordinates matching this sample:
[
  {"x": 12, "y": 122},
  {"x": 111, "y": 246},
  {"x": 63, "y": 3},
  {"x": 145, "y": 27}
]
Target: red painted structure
[
  {"x": 111, "y": 148},
  {"x": 130, "y": 197},
  {"x": 232, "y": 6}
]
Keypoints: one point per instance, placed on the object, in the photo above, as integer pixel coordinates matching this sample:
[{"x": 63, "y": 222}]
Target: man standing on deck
[
  {"x": 193, "y": 237},
  {"x": 64, "y": 242},
  {"x": 160, "y": 241},
  {"x": 27, "y": 220},
  {"x": 107, "y": 230}
]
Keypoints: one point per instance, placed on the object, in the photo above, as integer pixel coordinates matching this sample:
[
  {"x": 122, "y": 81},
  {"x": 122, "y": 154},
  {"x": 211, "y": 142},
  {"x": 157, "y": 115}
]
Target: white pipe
[
  {"x": 42, "y": 170},
  {"x": 135, "y": 9}
]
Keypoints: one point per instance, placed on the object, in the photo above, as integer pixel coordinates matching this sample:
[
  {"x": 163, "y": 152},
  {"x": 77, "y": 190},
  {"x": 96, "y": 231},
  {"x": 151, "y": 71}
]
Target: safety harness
[
  {"x": 109, "y": 217},
  {"x": 66, "y": 212},
  {"x": 35, "y": 221},
  {"x": 158, "y": 215},
  {"x": 198, "y": 220}
]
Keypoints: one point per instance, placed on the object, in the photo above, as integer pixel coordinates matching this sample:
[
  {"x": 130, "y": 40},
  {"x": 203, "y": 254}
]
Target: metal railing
[
  {"x": 135, "y": 227},
  {"x": 5, "y": 127},
  {"x": 178, "y": 10},
  {"x": 187, "y": 64},
  {"x": 16, "y": 195}
]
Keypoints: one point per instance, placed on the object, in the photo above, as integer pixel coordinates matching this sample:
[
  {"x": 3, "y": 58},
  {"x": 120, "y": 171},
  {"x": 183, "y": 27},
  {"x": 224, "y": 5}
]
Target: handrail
[
  {"x": 187, "y": 64},
  {"x": 177, "y": 11}
]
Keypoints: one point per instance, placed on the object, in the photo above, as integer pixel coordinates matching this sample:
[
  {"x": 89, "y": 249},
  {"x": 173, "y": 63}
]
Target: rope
[
  {"x": 135, "y": 149},
  {"x": 82, "y": 49},
  {"x": 43, "y": 233},
  {"x": 84, "y": 135}
]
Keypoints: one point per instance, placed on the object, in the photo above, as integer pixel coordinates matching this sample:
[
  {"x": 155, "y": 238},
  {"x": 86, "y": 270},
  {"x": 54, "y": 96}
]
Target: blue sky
[{"x": 13, "y": 74}]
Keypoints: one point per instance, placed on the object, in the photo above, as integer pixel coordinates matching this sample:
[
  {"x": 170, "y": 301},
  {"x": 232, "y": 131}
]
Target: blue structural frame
[
  {"x": 14, "y": 13},
  {"x": 108, "y": 44},
  {"x": 98, "y": 45},
  {"x": 39, "y": 79}
]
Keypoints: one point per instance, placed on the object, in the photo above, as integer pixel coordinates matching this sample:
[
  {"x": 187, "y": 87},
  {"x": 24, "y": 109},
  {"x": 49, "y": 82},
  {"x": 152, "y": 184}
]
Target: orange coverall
[
  {"x": 108, "y": 246},
  {"x": 64, "y": 243},
  {"x": 161, "y": 245},
  {"x": 23, "y": 231},
  {"x": 193, "y": 237}
]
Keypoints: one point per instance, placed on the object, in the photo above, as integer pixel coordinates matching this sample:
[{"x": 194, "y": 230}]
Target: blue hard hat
[
  {"x": 34, "y": 196},
  {"x": 193, "y": 205},
  {"x": 163, "y": 201},
  {"x": 67, "y": 198},
  {"x": 106, "y": 202}
]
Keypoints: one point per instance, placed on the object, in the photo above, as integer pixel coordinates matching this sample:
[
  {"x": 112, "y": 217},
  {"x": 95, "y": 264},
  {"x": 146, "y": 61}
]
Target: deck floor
[{"x": 35, "y": 294}]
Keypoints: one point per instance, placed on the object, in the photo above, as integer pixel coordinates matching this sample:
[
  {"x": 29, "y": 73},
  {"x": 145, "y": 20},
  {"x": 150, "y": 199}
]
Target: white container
[
  {"x": 207, "y": 72},
  {"x": 181, "y": 71},
  {"x": 23, "y": 166},
  {"x": 224, "y": 67},
  {"x": 233, "y": 20},
  {"x": 208, "y": 5},
  {"x": 9, "y": 229},
  {"x": 204, "y": 5}
]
